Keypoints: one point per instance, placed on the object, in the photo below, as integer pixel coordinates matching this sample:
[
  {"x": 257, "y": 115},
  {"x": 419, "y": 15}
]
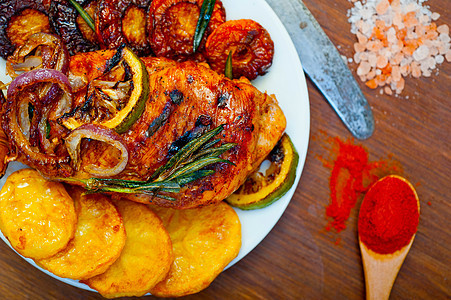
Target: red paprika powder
[
  {"x": 352, "y": 174},
  {"x": 389, "y": 215}
]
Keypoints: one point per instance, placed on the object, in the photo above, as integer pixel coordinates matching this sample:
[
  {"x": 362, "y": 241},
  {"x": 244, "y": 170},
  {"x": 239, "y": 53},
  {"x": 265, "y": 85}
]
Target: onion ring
[
  {"x": 98, "y": 133},
  {"x": 48, "y": 163}
]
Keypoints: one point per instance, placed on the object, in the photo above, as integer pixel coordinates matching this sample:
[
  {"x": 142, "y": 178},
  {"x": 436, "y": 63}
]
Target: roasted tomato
[
  {"x": 252, "y": 48},
  {"x": 171, "y": 27},
  {"x": 64, "y": 20},
  {"x": 18, "y": 20},
  {"x": 123, "y": 21}
]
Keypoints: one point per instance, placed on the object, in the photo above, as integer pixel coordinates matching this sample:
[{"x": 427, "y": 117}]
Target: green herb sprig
[
  {"x": 184, "y": 167},
  {"x": 206, "y": 11},
  {"x": 83, "y": 14}
]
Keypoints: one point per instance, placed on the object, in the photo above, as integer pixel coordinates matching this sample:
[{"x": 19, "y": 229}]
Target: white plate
[{"x": 286, "y": 80}]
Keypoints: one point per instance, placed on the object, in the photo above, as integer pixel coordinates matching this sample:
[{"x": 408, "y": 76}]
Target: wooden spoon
[{"x": 381, "y": 269}]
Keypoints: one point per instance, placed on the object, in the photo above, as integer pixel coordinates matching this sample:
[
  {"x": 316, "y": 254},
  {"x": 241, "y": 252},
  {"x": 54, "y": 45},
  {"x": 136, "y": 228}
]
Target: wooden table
[{"x": 299, "y": 259}]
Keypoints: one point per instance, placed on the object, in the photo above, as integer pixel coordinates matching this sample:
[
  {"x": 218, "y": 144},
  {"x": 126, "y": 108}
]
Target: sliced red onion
[
  {"x": 98, "y": 133},
  {"x": 15, "y": 126},
  {"x": 27, "y": 79}
]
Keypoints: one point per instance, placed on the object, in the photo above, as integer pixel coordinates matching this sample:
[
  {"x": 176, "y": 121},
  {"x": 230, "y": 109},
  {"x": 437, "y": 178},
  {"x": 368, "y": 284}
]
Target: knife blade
[{"x": 324, "y": 65}]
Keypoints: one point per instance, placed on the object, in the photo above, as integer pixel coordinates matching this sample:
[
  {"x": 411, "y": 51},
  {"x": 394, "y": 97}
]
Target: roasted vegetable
[
  {"x": 99, "y": 239},
  {"x": 67, "y": 23},
  {"x": 172, "y": 25},
  {"x": 41, "y": 151},
  {"x": 251, "y": 46},
  {"x": 37, "y": 216},
  {"x": 40, "y": 50},
  {"x": 146, "y": 257},
  {"x": 264, "y": 188},
  {"x": 205, "y": 240},
  {"x": 18, "y": 20},
  {"x": 123, "y": 21},
  {"x": 116, "y": 99}
]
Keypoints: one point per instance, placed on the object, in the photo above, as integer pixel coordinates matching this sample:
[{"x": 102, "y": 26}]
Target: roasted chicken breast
[{"x": 185, "y": 99}]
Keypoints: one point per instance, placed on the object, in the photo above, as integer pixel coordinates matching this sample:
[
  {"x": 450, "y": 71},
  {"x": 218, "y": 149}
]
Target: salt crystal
[
  {"x": 433, "y": 51},
  {"x": 435, "y": 16},
  {"x": 421, "y": 53},
  {"x": 363, "y": 56},
  {"x": 363, "y": 68},
  {"x": 411, "y": 43},
  {"x": 397, "y": 20},
  {"x": 382, "y": 61},
  {"x": 411, "y": 7},
  {"x": 359, "y": 47},
  {"x": 443, "y": 29},
  {"x": 361, "y": 38},
  {"x": 430, "y": 62},
  {"x": 444, "y": 38},
  {"x": 439, "y": 59},
  {"x": 382, "y": 7},
  {"x": 372, "y": 59},
  {"x": 442, "y": 48},
  {"x": 371, "y": 74},
  {"x": 427, "y": 73},
  {"x": 388, "y": 90},
  {"x": 396, "y": 73},
  {"x": 357, "y": 57}
]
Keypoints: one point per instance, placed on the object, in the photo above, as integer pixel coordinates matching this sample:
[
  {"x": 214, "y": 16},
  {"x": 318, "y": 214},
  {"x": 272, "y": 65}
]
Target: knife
[{"x": 325, "y": 66}]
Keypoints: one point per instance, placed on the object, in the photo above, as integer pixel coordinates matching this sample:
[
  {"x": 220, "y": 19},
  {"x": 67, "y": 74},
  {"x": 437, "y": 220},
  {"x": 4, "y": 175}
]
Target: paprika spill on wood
[
  {"x": 352, "y": 174},
  {"x": 389, "y": 215}
]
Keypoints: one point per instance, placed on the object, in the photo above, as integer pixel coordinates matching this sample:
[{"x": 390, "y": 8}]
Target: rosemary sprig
[
  {"x": 185, "y": 166},
  {"x": 206, "y": 11},
  {"x": 83, "y": 14},
  {"x": 228, "y": 66}
]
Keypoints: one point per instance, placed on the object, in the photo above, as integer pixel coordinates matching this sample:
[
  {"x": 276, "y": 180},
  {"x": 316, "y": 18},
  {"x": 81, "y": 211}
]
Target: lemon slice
[
  {"x": 120, "y": 117},
  {"x": 263, "y": 188}
]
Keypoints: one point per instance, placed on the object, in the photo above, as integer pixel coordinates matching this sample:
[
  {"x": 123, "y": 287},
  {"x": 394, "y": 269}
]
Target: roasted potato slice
[
  {"x": 36, "y": 216},
  {"x": 98, "y": 242},
  {"x": 145, "y": 259},
  {"x": 204, "y": 241}
]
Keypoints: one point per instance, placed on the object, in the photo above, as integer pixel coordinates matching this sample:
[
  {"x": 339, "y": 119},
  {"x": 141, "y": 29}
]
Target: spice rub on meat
[{"x": 185, "y": 100}]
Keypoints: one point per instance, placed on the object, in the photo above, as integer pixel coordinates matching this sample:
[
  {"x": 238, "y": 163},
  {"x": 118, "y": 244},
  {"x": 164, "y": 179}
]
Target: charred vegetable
[
  {"x": 28, "y": 134},
  {"x": 262, "y": 189},
  {"x": 251, "y": 46},
  {"x": 123, "y": 21},
  {"x": 18, "y": 20},
  {"x": 41, "y": 50},
  {"x": 172, "y": 27},
  {"x": 117, "y": 98},
  {"x": 67, "y": 23}
]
